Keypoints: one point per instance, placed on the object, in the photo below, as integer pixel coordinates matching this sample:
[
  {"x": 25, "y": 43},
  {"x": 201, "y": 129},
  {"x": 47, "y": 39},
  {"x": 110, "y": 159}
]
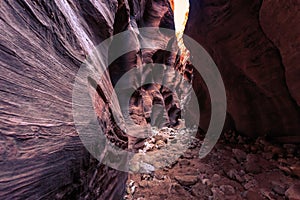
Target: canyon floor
[{"x": 237, "y": 168}]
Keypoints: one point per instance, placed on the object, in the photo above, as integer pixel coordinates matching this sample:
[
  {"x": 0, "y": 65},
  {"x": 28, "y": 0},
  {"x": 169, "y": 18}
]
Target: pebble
[
  {"x": 293, "y": 193},
  {"x": 290, "y": 148},
  {"x": 269, "y": 195},
  {"x": 234, "y": 175},
  {"x": 188, "y": 155},
  {"x": 215, "y": 178},
  {"x": 239, "y": 155},
  {"x": 278, "y": 188},
  {"x": 146, "y": 168},
  {"x": 254, "y": 148},
  {"x": 252, "y": 164},
  {"x": 240, "y": 139},
  {"x": 184, "y": 163},
  {"x": 250, "y": 184},
  {"x": 160, "y": 138},
  {"x": 206, "y": 182},
  {"x": 276, "y": 150},
  {"x": 217, "y": 193},
  {"x": 146, "y": 177},
  {"x": 160, "y": 144},
  {"x": 186, "y": 180},
  {"x": 143, "y": 184},
  {"x": 227, "y": 189},
  {"x": 252, "y": 195},
  {"x": 286, "y": 170},
  {"x": 267, "y": 155},
  {"x": 295, "y": 169}
]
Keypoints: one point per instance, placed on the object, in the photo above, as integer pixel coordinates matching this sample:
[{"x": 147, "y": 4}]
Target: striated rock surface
[
  {"x": 255, "y": 45},
  {"x": 42, "y": 45}
]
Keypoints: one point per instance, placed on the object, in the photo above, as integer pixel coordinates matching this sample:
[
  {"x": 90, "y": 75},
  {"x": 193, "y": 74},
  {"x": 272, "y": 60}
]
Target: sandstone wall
[{"x": 255, "y": 45}]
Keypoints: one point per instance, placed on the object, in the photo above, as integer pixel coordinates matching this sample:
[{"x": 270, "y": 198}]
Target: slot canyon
[{"x": 64, "y": 132}]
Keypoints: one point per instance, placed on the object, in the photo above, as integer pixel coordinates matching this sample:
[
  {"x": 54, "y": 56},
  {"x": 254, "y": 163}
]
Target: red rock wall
[
  {"x": 255, "y": 45},
  {"x": 42, "y": 45}
]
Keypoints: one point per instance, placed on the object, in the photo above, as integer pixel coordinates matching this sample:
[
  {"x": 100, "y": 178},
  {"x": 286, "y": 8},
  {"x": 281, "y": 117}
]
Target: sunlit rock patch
[{"x": 163, "y": 149}]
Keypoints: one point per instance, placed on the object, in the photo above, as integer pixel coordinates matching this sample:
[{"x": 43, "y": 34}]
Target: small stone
[
  {"x": 217, "y": 193},
  {"x": 269, "y": 195},
  {"x": 247, "y": 146},
  {"x": 128, "y": 190},
  {"x": 267, "y": 155},
  {"x": 134, "y": 167},
  {"x": 147, "y": 177},
  {"x": 252, "y": 164},
  {"x": 240, "y": 179},
  {"x": 164, "y": 129},
  {"x": 290, "y": 148},
  {"x": 234, "y": 175},
  {"x": 239, "y": 154},
  {"x": 207, "y": 182},
  {"x": 133, "y": 189},
  {"x": 289, "y": 155},
  {"x": 242, "y": 172},
  {"x": 293, "y": 193},
  {"x": 254, "y": 148},
  {"x": 283, "y": 161},
  {"x": 215, "y": 178},
  {"x": 160, "y": 138},
  {"x": 143, "y": 184},
  {"x": 252, "y": 195},
  {"x": 188, "y": 155},
  {"x": 233, "y": 161},
  {"x": 159, "y": 175},
  {"x": 160, "y": 144},
  {"x": 201, "y": 191},
  {"x": 240, "y": 139},
  {"x": 263, "y": 142},
  {"x": 276, "y": 150},
  {"x": 131, "y": 183},
  {"x": 286, "y": 170},
  {"x": 248, "y": 177},
  {"x": 174, "y": 141},
  {"x": 184, "y": 163},
  {"x": 250, "y": 184},
  {"x": 146, "y": 168},
  {"x": 227, "y": 189},
  {"x": 278, "y": 188},
  {"x": 186, "y": 180},
  {"x": 295, "y": 169}
]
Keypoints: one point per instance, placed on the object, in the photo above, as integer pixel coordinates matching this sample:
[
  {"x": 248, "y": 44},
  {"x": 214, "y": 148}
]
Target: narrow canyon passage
[
  {"x": 61, "y": 129},
  {"x": 238, "y": 168}
]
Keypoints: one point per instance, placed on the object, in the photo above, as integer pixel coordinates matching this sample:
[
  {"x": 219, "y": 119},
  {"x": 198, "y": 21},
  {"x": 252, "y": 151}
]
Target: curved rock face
[
  {"x": 42, "y": 45},
  {"x": 255, "y": 45}
]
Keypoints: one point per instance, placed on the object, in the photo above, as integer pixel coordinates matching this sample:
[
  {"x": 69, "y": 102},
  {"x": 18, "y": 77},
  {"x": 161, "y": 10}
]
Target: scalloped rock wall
[{"x": 42, "y": 45}]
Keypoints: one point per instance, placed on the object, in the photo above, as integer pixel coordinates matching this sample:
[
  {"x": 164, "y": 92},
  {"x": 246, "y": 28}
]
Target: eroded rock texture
[
  {"x": 42, "y": 45},
  {"x": 255, "y": 45}
]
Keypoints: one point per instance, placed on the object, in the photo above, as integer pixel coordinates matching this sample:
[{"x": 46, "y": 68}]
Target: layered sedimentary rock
[
  {"x": 42, "y": 45},
  {"x": 255, "y": 45}
]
